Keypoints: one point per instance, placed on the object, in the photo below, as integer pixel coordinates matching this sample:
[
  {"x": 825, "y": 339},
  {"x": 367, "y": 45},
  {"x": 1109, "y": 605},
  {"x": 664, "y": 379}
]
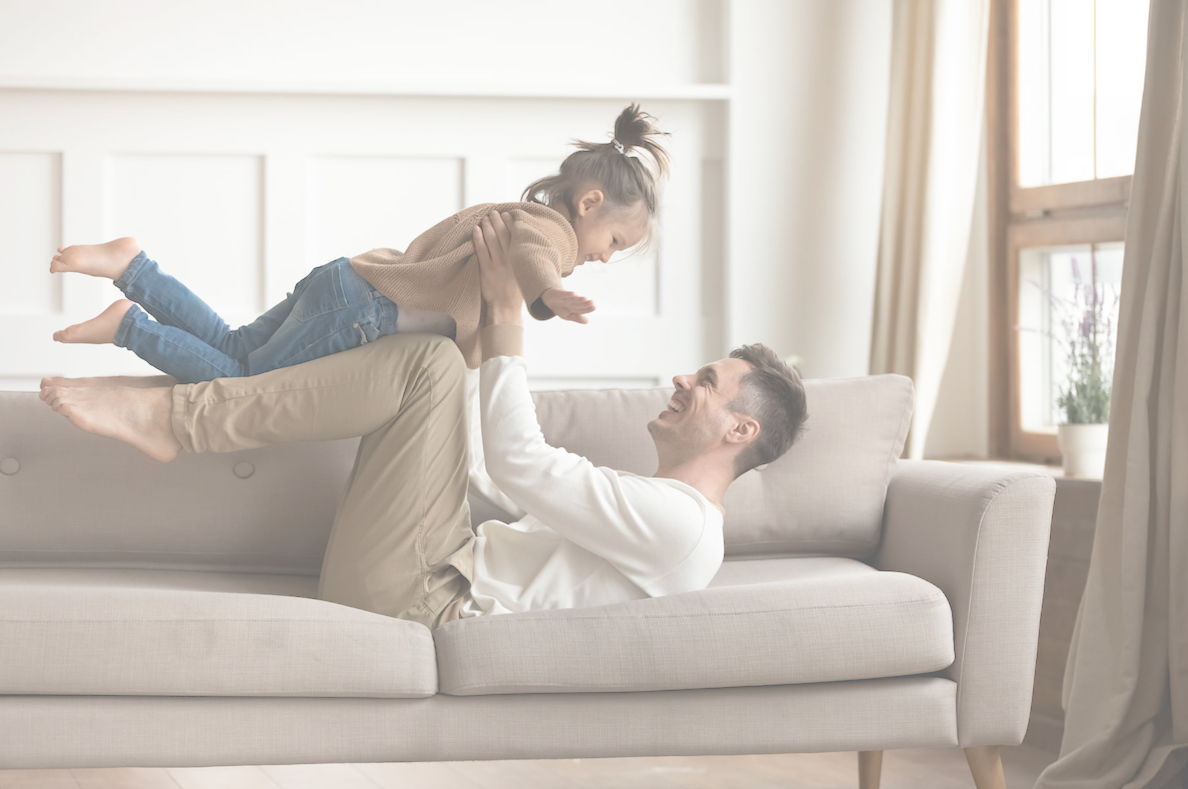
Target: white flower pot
[{"x": 1083, "y": 448}]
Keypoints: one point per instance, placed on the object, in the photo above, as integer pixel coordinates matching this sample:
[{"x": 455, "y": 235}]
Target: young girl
[{"x": 602, "y": 200}]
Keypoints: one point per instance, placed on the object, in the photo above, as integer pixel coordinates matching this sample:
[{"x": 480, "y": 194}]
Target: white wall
[
  {"x": 310, "y": 41},
  {"x": 244, "y": 142},
  {"x": 809, "y": 83},
  {"x": 807, "y": 128},
  {"x": 780, "y": 104}
]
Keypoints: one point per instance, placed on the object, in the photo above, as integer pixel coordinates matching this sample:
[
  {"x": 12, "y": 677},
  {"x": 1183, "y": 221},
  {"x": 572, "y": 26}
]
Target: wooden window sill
[{"x": 1052, "y": 469}]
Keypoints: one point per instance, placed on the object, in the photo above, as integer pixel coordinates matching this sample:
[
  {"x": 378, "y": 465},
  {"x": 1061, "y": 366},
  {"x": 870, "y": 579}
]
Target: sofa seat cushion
[
  {"x": 761, "y": 622},
  {"x": 167, "y": 633}
]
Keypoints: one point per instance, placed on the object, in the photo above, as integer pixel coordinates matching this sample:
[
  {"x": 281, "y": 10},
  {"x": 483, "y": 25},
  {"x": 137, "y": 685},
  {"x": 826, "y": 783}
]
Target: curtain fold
[
  {"x": 1126, "y": 681},
  {"x": 934, "y": 133}
]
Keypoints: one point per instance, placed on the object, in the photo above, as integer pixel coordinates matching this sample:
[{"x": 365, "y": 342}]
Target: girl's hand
[
  {"x": 567, "y": 305},
  {"x": 497, "y": 283}
]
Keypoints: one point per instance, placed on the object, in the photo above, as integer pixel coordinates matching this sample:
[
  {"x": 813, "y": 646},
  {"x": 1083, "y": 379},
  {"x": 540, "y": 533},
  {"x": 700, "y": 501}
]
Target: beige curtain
[
  {"x": 934, "y": 133},
  {"x": 1126, "y": 683}
]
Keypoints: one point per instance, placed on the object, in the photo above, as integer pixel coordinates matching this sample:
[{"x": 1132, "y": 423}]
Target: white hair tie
[{"x": 619, "y": 147}]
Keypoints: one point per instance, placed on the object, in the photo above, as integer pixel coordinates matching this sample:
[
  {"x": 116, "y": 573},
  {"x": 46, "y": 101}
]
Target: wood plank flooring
[{"x": 940, "y": 768}]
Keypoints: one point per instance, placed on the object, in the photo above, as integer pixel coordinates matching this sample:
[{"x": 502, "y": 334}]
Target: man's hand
[
  {"x": 567, "y": 305},
  {"x": 492, "y": 239}
]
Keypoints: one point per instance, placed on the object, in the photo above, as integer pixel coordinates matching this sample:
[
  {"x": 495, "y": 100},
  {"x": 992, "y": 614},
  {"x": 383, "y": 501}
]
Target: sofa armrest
[{"x": 980, "y": 534}]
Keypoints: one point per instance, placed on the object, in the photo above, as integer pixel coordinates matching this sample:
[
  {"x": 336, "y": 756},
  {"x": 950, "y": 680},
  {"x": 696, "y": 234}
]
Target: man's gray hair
[{"x": 772, "y": 394}]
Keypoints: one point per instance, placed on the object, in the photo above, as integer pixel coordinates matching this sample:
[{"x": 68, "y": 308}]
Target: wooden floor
[{"x": 913, "y": 769}]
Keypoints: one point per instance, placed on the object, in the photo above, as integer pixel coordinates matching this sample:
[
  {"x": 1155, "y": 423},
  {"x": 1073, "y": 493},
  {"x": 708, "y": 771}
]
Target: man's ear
[
  {"x": 589, "y": 201},
  {"x": 745, "y": 430}
]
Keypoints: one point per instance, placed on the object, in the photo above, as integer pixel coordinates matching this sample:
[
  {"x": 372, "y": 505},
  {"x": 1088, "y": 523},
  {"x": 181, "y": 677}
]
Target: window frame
[{"x": 1066, "y": 214}]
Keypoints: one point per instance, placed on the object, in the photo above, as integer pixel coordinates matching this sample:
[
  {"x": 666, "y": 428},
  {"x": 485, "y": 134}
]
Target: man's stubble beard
[{"x": 673, "y": 444}]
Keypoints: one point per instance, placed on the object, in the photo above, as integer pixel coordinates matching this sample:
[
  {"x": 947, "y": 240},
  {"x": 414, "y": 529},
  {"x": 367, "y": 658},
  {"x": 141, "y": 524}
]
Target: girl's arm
[{"x": 537, "y": 264}]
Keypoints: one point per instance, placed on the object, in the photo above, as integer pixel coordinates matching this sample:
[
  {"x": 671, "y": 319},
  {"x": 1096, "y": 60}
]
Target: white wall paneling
[
  {"x": 239, "y": 195},
  {"x": 770, "y": 225},
  {"x": 30, "y": 223},
  {"x": 198, "y": 216},
  {"x": 357, "y": 203}
]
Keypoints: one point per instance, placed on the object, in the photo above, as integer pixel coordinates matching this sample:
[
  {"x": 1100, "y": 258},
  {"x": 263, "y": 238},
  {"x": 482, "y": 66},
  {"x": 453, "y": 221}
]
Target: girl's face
[{"x": 603, "y": 229}]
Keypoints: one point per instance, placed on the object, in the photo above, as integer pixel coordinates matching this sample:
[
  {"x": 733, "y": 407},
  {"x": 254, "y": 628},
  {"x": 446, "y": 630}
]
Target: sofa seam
[
  {"x": 751, "y": 543},
  {"x": 732, "y": 614},
  {"x": 221, "y": 694},
  {"x": 176, "y": 621},
  {"x": 156, "y": 553},
  {"x": 636, "y": 690}
]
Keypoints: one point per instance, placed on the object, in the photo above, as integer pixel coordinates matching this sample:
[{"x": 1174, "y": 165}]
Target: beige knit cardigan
[{"x": 439, "y": 270}]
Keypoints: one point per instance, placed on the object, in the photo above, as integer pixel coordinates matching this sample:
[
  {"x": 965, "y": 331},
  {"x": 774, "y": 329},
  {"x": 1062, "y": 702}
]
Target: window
[
  {"x": 1064, "y": 91},
  {"x": 1080, "y": 80}
]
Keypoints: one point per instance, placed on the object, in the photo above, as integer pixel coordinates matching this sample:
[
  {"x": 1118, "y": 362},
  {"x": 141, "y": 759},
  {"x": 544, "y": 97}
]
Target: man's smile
[{"x": 675, "y": 406}]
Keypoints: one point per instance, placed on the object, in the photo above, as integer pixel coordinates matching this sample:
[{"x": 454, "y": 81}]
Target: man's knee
[{"x": 444, "y": 361}]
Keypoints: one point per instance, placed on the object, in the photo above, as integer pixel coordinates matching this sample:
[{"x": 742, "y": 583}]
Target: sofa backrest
[
  {"x": 83, "y": 500},
  {"x": 824, "y": 497},
  {"x": 71, "y": 498}
]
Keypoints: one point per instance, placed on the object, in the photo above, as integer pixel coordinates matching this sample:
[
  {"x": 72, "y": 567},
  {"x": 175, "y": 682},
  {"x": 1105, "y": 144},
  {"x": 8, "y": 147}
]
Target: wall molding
[{"x": 447, "y": 89}]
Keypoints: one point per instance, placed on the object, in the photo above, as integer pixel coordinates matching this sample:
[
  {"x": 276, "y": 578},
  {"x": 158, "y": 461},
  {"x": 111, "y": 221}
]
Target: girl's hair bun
[
  {"x": 635, "y": 128},
  {"x": 625, "y": 178}
]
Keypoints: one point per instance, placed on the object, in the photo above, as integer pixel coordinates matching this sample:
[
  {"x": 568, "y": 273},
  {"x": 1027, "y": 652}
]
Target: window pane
[
  {"x": 1032, "y": 87},
  {"x": 1071, "y": 94},
  {"x": 1080, "y": 82},
  {"x": 1121, "y": 61},
  {"x": 1056, "y": 299},
  {"x": 1055, "y": 91}
]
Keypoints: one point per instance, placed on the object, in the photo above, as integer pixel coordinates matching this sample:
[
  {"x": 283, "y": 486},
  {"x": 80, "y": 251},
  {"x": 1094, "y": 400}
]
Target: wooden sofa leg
[
  {"x": 870, "y": 766},
  {"x": 986, "y": 766}
]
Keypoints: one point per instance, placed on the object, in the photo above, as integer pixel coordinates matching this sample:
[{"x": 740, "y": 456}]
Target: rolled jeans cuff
[
  {"x": 125, "y": 280},
  {"x": 125, "y": 325}
]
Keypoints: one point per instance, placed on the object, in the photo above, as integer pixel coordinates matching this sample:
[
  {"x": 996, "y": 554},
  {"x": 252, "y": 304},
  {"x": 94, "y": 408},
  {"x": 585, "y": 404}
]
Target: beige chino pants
[{"x": 401, "y": 544}]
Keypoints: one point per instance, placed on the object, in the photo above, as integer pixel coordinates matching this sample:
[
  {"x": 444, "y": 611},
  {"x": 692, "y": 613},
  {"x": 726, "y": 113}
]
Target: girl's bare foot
[
  {"x": 98, "y": 330},
  {"x": 108, "y": 260},
  {"x": 140, "y": 417},
  {"x": 136, "y": 381}
]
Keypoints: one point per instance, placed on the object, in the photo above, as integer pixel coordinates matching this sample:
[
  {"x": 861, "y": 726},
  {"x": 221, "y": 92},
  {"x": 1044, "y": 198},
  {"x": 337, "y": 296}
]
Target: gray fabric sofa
[{"x": 164, "y": 615}]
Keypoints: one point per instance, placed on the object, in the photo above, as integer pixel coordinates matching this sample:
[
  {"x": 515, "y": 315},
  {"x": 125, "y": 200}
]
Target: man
[{"x": 402, "y": 544}]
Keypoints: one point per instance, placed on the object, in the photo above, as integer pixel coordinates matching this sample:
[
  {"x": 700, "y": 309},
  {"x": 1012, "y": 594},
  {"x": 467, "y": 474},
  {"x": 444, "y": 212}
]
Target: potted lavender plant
[{"x": 1088, "y": 322}]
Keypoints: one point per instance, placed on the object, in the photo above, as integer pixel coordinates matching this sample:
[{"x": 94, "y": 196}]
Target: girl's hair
[{"x": 626, "y": 180}]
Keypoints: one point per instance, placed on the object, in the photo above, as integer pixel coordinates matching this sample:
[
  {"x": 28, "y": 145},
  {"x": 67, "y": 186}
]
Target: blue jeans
[{"x": 333, "y": 309}]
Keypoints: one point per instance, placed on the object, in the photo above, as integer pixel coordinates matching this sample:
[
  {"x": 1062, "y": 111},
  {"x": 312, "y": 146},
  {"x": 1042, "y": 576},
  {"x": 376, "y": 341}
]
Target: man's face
[{"x": 698, "y": 416}]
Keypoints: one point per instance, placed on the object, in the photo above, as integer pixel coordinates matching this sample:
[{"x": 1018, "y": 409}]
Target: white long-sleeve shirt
[{"x": 589, "y": 535}]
